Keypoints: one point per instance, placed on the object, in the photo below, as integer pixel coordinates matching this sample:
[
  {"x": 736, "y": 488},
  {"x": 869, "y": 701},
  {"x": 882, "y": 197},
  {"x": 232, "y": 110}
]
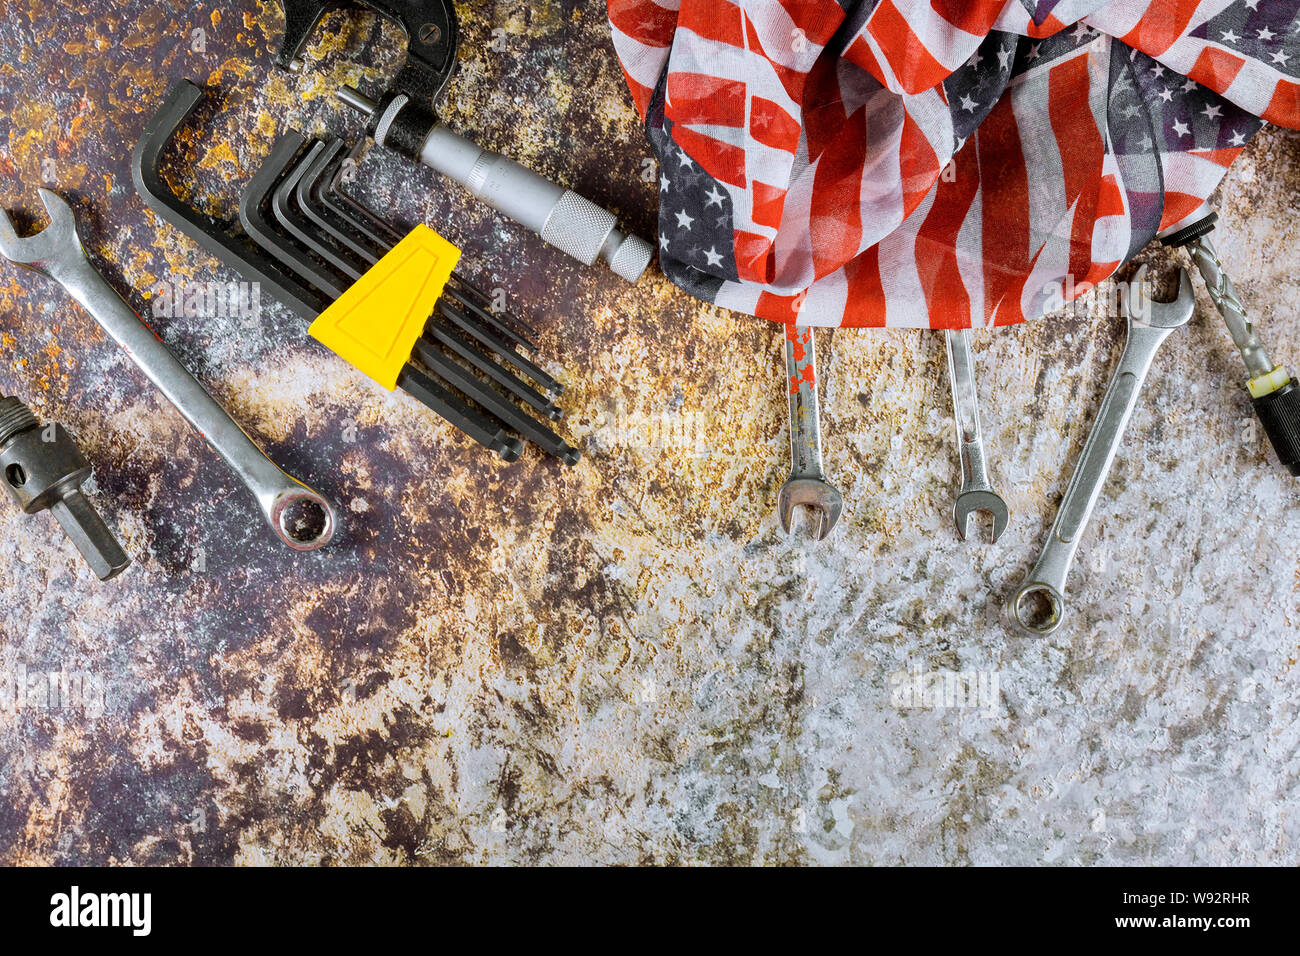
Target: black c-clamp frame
[{"x": 432, "y": 36}]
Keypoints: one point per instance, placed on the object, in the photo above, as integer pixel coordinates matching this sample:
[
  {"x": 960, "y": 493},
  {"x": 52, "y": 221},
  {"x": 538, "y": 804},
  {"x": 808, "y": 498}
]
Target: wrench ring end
[
  {"x": 279, "y": 518},
  {"x": 1055, "y": 601}
]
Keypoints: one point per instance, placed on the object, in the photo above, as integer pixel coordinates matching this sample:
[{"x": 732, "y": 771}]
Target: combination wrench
[
  {"x": 1149, "y": 324},
  {"x": 57, "y": 252},
  {"x": 807, "y": 483},
  {"x": 976, "y": 493}
]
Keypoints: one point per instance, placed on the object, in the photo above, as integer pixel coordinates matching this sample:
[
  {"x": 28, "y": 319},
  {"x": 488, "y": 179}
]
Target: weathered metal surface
[{"x": 625, "y": 661}]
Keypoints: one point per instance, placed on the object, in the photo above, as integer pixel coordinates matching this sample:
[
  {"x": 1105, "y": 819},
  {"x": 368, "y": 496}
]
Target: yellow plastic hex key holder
[{"x": 374, "y": 325}]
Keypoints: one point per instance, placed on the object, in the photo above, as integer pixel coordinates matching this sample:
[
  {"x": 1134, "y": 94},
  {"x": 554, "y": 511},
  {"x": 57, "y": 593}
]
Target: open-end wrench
[
  {"x": 1149, "y": 324},
  {"x": 807, "y": 483},
  {"x": 976, "y": 493},
  {"x": 57, "y": 252}
]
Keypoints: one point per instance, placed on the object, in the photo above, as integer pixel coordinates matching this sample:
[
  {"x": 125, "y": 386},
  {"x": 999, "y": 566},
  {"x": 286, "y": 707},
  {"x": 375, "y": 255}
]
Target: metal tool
[
  {"x": 807, "y": 483},
  {"x": 222, "y": 238},
  {"x": 404, "y": 120},
  {"x": 976, "y": 493},
  {"x": 1274, "y": 392},
  {"x": 353, "y": 226},
  {"x": 1039, "y": 606},
  {"x": 43, "y": 468},
  {"x": 273, "y": 192},
  {"x": 332, "y": 240},
  {"x": 57, "y": 252}
]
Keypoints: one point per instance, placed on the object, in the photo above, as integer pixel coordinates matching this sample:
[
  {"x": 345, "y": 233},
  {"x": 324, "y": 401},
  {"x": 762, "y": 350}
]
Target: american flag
[{"x": 939, "y": 163}]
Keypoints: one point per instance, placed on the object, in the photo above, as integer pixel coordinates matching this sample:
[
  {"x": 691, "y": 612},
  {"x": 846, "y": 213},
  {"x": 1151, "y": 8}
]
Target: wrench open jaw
[
  {"x": 1038, "y": 607},
  {"x": 813, "y": 493},
  {"x": 47, "y": 251},
  {"x": 968, "y": 503},
  {"x": 976, "y": 493},
  {"x": 807, "y": 484},
  {"x": 57, "y": 252}
]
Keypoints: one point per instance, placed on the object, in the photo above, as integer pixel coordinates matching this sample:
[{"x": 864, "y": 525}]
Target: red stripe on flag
[
  {"x": 723, "y": 161},
  {"x": 1161, "y": 25},
  {"x": 792, "y": 80},
  {"x": 859, "y": 52},
  {"x": 1216, "y": 69},
  {"x": 1082, "y": 151},
  {"x": 1110, "y": 200},
  {"x": 918, "y": 164},
  {"x": 1223, "y": 157},
  {"x": 1009, "y": 311},
  {"x": 865, "y": 306},
  {"x": 835, "y": 215},
  {"x": 946, "y": 298},
  {"x": 1004, "y": 184},
  {"x": 703, "y": 99},
  {"x": 640, "y": 94},
  {"x": 977, "y": 18},
  {"x": 773, "y": 126},
  {"x": 915, "y": 69},
  {"x": 1178, "y": 206},
  {"x": 1049, "y": 27},
  {"x": 643, "y": 21},
  {"x": 818, "y": 19},
  {"x": 1099, "y": 271},
  {"x": 717, "y": 20},
  {"x": 1284, "y": 108},
  {"x": 823, "y": 107},
  {"x": 779, "y": 308},
  {"x": 753, "y": 257},
  {"x": 769, "y": 204}
]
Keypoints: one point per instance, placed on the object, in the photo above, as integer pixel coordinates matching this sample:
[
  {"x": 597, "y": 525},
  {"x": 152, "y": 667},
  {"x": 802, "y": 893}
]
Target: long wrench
[
  {"x": 807, "y": 483},
  {"x": 976, "y": 493},
  {"x": 1149, "y": 324},
  {"x": 57, "y": 252}
]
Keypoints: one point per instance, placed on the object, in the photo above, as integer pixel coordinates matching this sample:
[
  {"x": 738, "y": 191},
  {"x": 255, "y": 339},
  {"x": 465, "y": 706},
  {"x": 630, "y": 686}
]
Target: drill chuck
[{"x": 43, "y": 469}]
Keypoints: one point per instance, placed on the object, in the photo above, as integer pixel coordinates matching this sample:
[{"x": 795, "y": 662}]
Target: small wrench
[
  {"x": 1149, "y": 324},
  {"x": 807, "y": 483},
  {"x": 976, "y": 493},
  {"x": 57, "y": 252}
]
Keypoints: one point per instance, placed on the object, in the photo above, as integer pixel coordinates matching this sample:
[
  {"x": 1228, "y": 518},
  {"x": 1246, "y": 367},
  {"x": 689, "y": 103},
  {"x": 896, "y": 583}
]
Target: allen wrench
[{"x": 274, "y": 187}]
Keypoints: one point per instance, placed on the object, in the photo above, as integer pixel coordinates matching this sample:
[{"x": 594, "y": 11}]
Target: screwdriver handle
[
  {"x": 1279, "y": 413},
  {"x": 1273, "y": 392}
]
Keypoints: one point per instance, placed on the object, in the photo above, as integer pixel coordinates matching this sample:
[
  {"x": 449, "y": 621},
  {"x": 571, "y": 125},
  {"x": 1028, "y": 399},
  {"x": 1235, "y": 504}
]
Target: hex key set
[{"x": 308, "y": 243}]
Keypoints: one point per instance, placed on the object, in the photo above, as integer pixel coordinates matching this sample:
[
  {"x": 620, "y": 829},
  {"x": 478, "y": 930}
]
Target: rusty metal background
[{"x": 625, "y": 661}]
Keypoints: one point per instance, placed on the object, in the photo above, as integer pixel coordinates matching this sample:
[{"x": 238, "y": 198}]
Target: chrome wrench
[
  {"x": 807, "y": 483},
  {"x": 1149, "y": 324},
  {"x": 57, "y": 252},
  {"x": 976, "y": 493}
]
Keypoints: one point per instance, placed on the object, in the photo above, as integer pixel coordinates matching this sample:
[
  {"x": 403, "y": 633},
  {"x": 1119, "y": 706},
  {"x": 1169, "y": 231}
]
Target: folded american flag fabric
[{"x": 939, "y": 163}]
